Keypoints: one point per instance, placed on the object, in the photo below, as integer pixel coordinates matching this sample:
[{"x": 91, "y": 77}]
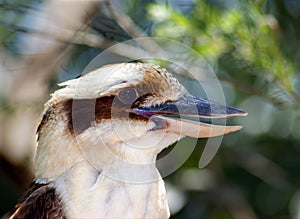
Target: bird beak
[{"x": 183, "y": 117}]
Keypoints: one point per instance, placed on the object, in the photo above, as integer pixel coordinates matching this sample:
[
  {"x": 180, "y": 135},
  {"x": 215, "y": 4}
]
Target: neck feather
[{"x": 88, "y": 193}]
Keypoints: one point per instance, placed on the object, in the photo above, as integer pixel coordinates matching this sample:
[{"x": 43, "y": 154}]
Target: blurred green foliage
[{"x": 241, "y": 41}]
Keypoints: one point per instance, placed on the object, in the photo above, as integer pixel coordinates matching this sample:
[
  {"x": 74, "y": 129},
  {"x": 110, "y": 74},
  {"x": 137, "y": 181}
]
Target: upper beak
[{"x": 191, "y": 107}]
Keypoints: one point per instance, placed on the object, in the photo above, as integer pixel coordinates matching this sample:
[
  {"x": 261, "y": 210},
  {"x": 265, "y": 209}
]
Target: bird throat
[{"x": 89, "y": 193}]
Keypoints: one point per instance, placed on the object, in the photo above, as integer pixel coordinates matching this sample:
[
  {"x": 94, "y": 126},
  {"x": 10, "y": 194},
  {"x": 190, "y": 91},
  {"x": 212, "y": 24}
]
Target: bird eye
[{"x": 128, "y": 95}]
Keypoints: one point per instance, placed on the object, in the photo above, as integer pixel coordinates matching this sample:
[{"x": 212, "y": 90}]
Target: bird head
[{"x": 127, "y": 111}]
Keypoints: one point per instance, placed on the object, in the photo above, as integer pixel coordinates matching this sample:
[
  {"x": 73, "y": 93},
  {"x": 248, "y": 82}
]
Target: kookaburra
[{"x": 99, "y": 138}]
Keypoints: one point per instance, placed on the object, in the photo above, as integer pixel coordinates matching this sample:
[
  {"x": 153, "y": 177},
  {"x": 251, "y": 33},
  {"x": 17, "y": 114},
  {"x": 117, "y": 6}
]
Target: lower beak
[{"x": 191, "y": 108}]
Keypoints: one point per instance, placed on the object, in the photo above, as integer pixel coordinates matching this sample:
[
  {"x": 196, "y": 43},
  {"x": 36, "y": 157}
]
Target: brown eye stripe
[
  {"x": 83, "y": 113},
  {"x": 80, "y": 114}
]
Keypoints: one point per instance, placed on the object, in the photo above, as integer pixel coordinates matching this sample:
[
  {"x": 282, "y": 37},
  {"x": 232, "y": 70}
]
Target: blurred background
[{"x": 253, "y": 46}]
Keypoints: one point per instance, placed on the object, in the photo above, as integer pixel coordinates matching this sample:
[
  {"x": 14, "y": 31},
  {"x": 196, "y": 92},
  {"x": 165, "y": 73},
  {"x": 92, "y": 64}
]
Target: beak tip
[
  {"x": 232, "y": 111},
  {"x": 237, "y": 128},
  {"x": 231, "y": 129}
]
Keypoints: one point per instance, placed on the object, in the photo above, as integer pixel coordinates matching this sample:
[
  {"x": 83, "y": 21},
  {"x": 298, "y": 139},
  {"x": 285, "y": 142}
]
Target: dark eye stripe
[{"x": 83, "y": 113}]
